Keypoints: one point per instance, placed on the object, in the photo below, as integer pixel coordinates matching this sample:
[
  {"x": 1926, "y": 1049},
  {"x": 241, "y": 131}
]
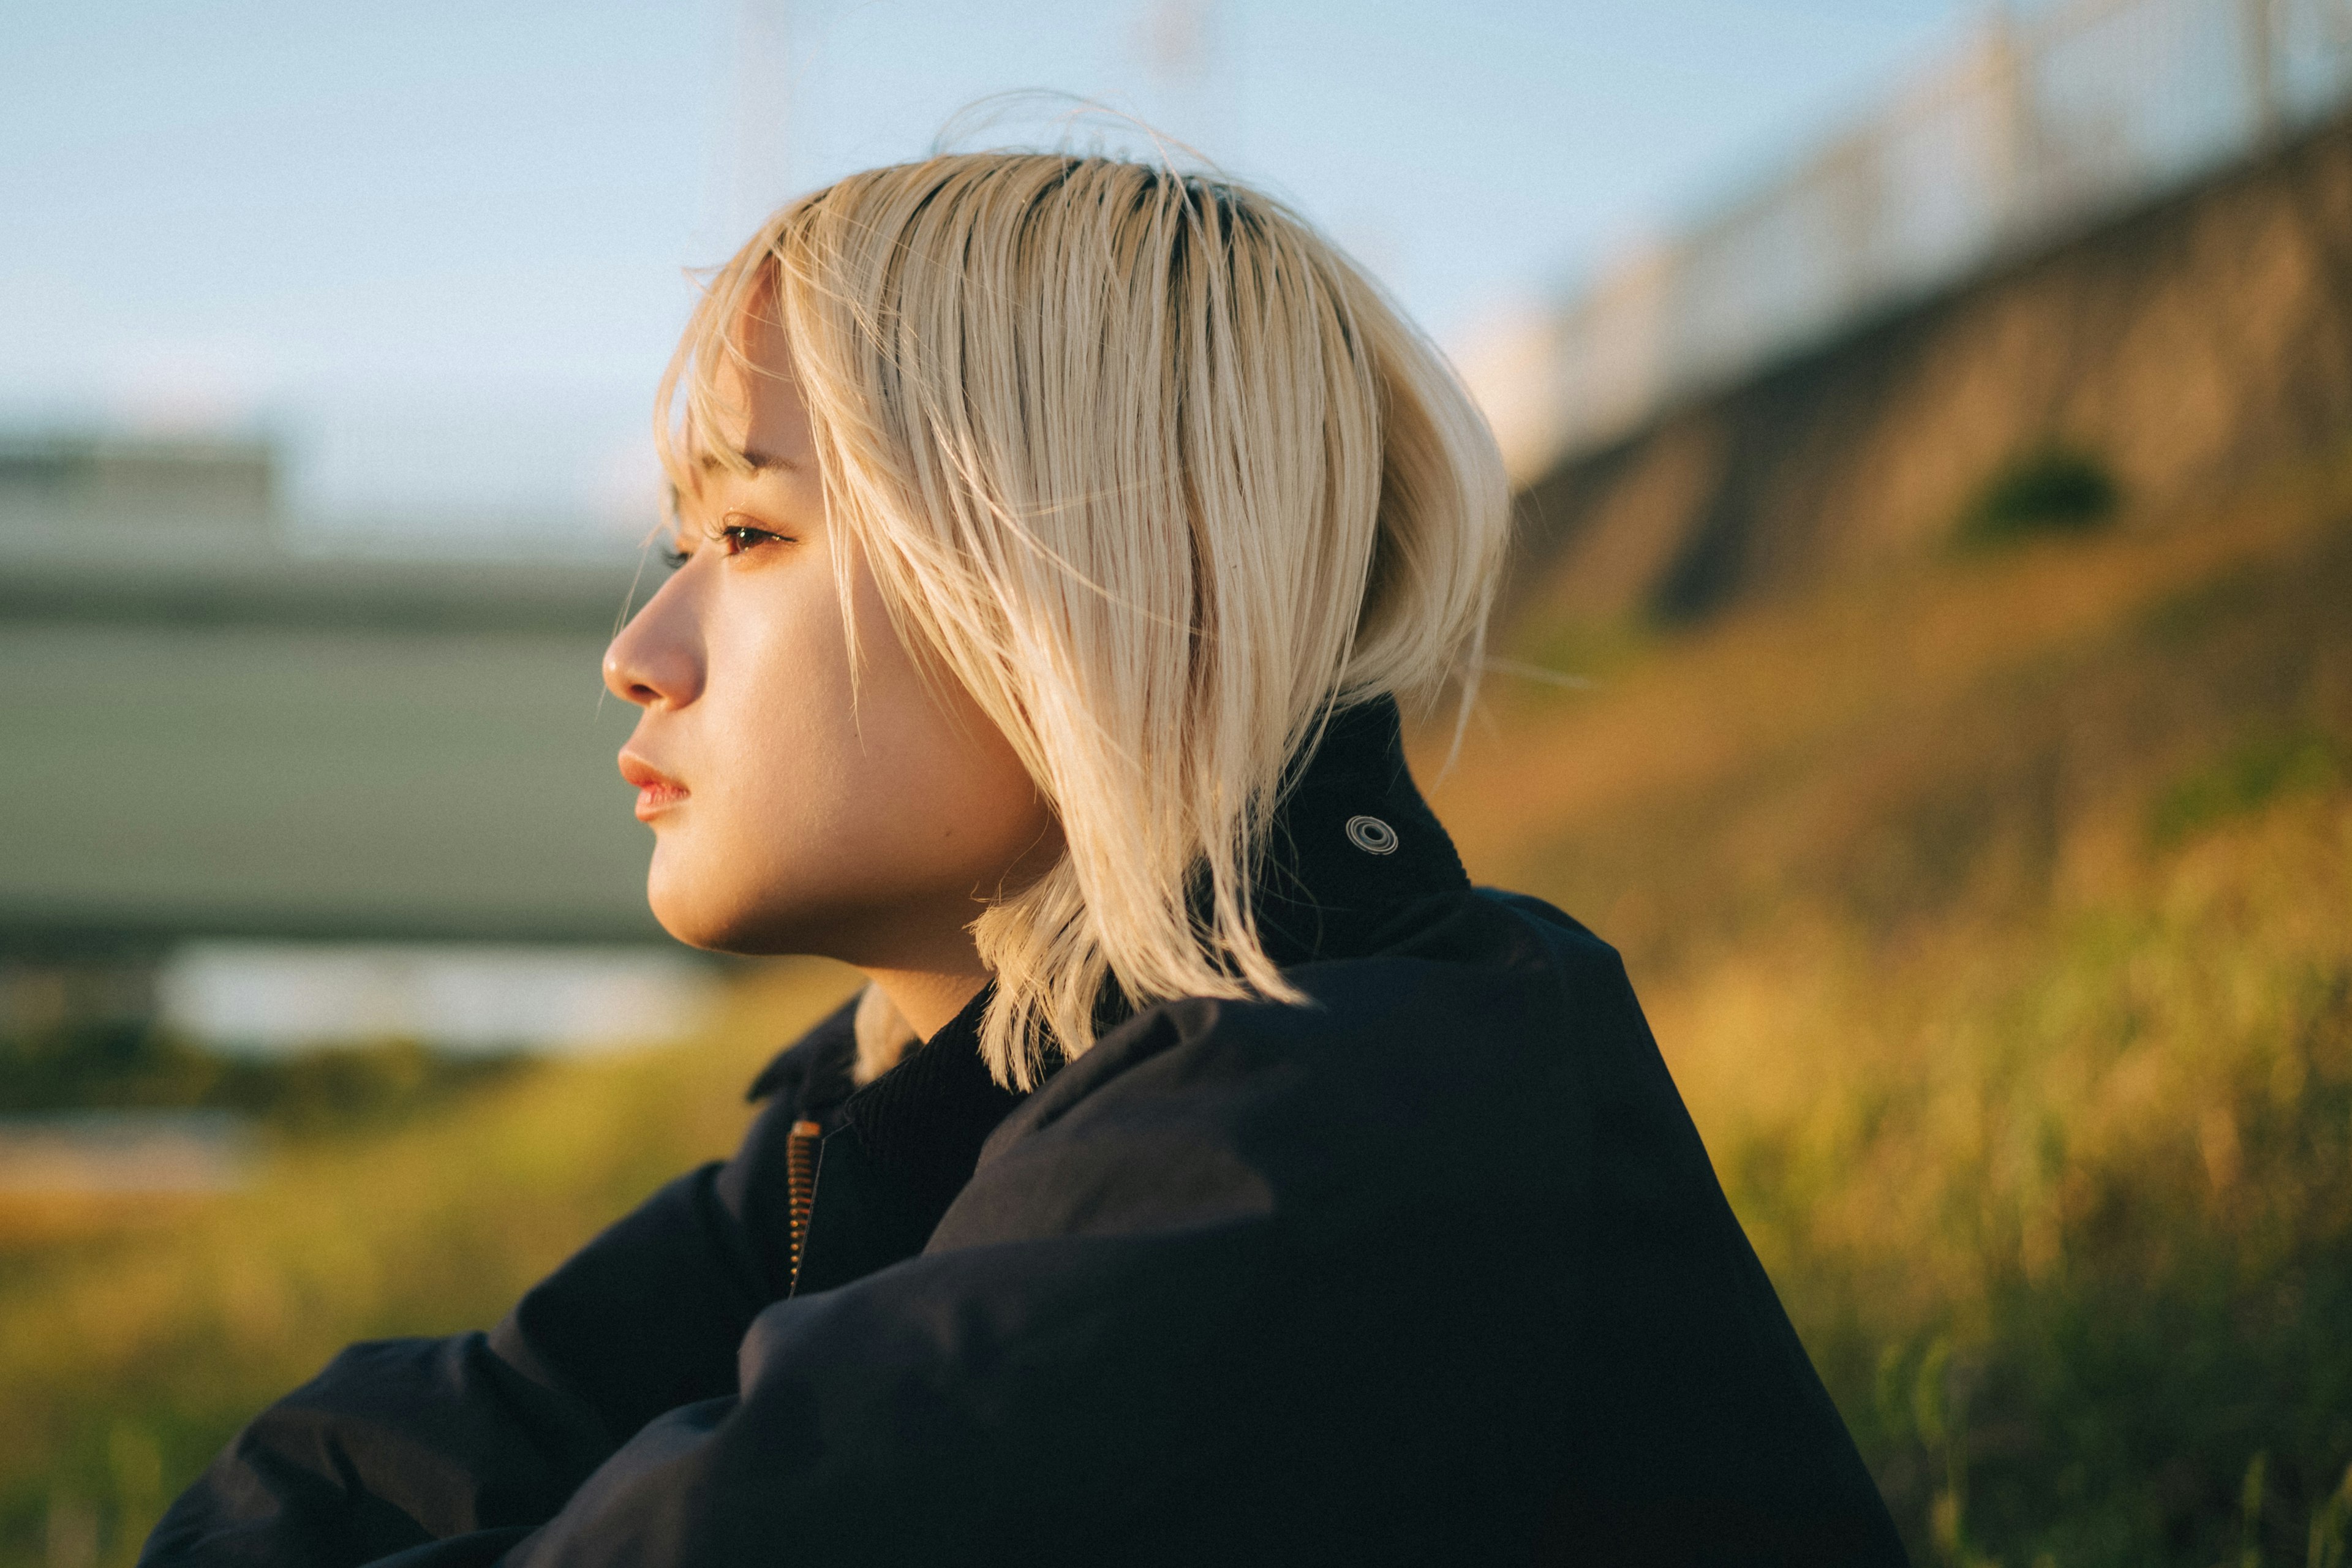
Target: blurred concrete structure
[
  {"x": 2045, "y": 126},
  {"x": 2123, "y": 227},
  {"x": 219, "y": 725},
  {"x": 2184, "y": 348},
  {"x": 82, "y": 481}
]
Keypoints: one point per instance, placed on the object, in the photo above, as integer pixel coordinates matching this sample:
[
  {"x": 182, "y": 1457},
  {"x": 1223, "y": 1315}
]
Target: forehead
[
  {"x": 756, "y": 349},
  {"x": 758, "y": 415}
]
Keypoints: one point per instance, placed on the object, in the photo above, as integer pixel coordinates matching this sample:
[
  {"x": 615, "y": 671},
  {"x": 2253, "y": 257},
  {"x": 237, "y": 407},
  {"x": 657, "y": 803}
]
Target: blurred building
[
  {"x": 219, "y": 725},
  {"x": 2046, "y": 123},
  {"x": 2118, "y": 229}
]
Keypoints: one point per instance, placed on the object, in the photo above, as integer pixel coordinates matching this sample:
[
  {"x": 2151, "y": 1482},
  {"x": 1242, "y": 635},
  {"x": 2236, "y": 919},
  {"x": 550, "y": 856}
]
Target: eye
[
  {"x": 735, "y": 538},
  {"x": 674, "y": 558}
]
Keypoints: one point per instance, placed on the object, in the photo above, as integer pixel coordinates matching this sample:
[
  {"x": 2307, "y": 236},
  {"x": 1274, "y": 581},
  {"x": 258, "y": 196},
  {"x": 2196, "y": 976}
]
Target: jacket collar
[
  {"x": 1352, "y": 848},
  {"x": 1352, "y": 845}
]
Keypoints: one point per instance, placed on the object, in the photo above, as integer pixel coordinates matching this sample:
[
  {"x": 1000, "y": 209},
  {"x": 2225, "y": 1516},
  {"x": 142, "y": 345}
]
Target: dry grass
[
  {"x": 126, "y": 1359},
  {"x": 1997, "y": 923}
]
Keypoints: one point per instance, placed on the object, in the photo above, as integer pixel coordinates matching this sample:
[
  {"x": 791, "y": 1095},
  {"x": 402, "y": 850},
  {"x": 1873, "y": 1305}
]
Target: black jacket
[{"x": 1433, "y": 1270}]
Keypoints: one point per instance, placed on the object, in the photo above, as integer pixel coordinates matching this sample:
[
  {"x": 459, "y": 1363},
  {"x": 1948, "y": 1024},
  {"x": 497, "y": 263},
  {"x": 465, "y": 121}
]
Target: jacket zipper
[{"x": 800, "y": 1186}]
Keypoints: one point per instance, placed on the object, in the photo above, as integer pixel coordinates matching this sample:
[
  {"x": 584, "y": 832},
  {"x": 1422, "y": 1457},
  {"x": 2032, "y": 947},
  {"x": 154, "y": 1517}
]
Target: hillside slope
[
  {"x": 2188, "y": 343},
  {"x": 1995, "y": 920}
]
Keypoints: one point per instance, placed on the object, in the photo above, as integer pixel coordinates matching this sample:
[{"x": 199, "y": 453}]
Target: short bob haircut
[{"x": 1161, "y": 478}]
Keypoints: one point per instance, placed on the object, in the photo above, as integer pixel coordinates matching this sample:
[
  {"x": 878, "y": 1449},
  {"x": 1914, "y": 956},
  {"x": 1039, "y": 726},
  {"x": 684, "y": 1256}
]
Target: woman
[{"x": 1209, "y": 1173}]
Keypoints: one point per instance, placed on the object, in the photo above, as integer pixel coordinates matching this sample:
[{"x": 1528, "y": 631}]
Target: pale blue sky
[{"x": 437, "y": 247}]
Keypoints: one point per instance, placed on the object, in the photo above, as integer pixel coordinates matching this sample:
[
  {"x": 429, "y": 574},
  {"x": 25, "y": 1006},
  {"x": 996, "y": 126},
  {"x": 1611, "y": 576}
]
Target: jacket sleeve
[
  {"x": 1072, "y": 1312},
  {"x": 909, "y": 1416},
  {"x": 1127, "y": 1311},
  {"x": 401, "y": 1443}
]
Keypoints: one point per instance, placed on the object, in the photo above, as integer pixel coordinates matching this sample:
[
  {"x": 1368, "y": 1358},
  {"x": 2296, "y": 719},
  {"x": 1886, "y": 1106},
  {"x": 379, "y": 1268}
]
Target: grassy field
[
  {"x": 1996, "y": 919},
  {"x": 133, "y": 1347}
]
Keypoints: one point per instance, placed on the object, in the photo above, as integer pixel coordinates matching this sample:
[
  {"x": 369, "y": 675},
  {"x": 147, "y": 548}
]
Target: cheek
[
  {"x": 775, "y": 764},
  {"x": 822, "y": 810},
  {"x": 920, "y": 782}
]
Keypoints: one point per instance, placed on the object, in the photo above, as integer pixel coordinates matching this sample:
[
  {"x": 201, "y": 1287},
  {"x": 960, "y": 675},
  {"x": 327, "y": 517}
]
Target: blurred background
[{"x": 1928, "y": 657}]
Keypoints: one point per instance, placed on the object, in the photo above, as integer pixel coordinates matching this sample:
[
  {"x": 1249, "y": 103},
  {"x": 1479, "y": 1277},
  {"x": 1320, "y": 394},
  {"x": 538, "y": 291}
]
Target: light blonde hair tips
[{"x": 1161, "y": 478}]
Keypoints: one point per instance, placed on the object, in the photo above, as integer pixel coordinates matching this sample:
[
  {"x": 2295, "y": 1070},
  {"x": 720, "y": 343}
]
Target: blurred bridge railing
[{"x": 2045, "y": 124}]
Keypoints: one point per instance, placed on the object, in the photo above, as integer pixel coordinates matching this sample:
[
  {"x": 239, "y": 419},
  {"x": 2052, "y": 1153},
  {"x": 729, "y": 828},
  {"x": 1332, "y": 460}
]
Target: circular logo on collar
[{"x": 1372, "y": 835}]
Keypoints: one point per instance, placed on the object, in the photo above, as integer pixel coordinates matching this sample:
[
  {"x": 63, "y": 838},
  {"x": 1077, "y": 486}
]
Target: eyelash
[{"x": 741, "y": 536}]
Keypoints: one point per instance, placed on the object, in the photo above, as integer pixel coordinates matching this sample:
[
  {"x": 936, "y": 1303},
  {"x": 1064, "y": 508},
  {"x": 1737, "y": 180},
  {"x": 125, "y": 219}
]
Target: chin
[
  {"x": 717, "y": 932},
  {"x": 687, "y": 907},
  {"x": 700, "y": 912}
]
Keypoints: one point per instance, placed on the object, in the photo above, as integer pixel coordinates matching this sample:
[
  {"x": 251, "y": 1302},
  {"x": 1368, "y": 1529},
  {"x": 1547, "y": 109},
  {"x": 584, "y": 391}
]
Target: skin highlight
[{"x": 794, "y": 811}]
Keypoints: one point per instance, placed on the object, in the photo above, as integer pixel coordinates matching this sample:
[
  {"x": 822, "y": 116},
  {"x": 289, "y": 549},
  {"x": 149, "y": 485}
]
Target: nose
[{"x": 657, "y": 661}]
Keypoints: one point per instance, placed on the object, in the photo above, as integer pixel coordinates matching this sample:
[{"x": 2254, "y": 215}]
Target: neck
[{"x": 927, "y": 998}]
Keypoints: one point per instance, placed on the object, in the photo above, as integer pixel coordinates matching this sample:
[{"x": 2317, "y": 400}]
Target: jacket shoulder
[{"x": 1452, "y": 1065}]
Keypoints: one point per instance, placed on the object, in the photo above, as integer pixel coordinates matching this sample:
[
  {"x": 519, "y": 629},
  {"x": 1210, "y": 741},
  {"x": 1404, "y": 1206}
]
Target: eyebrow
[{"x": 762, "y": 462}]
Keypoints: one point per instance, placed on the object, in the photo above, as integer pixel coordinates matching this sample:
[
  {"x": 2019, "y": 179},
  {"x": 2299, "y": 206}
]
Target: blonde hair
[{"x": 1161, "y": 479}]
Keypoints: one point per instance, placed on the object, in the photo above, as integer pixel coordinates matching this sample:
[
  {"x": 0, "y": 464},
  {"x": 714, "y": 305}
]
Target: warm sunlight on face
[{"x": 788, "y": 818}]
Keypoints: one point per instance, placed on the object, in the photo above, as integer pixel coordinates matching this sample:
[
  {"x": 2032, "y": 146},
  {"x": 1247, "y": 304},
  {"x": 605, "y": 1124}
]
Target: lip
[{"x": 656, "y": 791}]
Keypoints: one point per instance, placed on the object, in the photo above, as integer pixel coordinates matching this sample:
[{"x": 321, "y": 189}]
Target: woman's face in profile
[{"x": 788, "y": 817}]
